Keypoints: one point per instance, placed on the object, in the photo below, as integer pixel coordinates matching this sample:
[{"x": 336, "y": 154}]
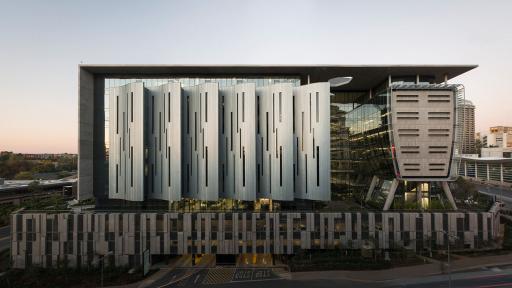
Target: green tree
[{"x": 24, "y": 175}]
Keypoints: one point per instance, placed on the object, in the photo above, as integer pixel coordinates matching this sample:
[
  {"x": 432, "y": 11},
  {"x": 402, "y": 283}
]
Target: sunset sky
[{"x": 42, "y": 43}]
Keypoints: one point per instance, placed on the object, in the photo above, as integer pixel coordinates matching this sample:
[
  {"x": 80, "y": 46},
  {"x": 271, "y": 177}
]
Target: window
[
  {"x": 309, "y": 112},
  {"x": 306, "y": 163},
  {"x": 169, "y": 167},
  {"x": 317, "y": 108},
  {"x": 117, "y": 115},
  {"x": 280, "y": 108},
  {"x": 231, "y": 138},
  {"x": 223, "y": 113},
  {"x": 317, "y": 166},
  {"x": 169, "y": 107},
  {"x": 131, "y": 107},
  {"x": 267, "y": 130},
  {"x": 277, "y": 134},
  {"x": 188, "y": 114},
  {"x": 243, "y": 167},
  {"x": 153, "y": 116},
  {"x": 123, "y": 129},
  {"x": 237, "y": 111},
  {"x": 206, "y": 166},
  {"x": 195, "y": 131},
  {"x": 281, "y": 166},
  {"x": 302, "y": 134},
  {"x": 258, "y": 113},
  {"x": 160, "y": 131},
  {"x": 293, "y": 113},
  {"x": 273, "y": 114},
  {"x": 117, "y": 178},
  {"x": 297, "y": 156},
  {"x": 131, "y": 167}
]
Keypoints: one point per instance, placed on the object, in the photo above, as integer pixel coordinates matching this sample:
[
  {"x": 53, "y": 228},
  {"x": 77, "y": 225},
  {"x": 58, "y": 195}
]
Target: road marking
[
  {"x": 508, "y": 284},
  {"x": 197, "y": 277}
]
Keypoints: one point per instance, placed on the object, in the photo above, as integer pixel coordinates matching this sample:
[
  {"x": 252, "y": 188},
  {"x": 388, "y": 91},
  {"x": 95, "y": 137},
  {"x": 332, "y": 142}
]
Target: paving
[
  {"x": 180, "y": 273},
  {"x": 436, "y": 268}
]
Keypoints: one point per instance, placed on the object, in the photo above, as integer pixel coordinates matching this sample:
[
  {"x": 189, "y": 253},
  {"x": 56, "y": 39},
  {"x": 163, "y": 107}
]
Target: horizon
[{"x": 44, "y": 44}]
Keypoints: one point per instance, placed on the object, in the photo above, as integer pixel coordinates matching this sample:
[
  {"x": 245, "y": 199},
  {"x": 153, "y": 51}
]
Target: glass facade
[
  {"x": 360, "y": 136},
  {"x": 360, "y": 146}
]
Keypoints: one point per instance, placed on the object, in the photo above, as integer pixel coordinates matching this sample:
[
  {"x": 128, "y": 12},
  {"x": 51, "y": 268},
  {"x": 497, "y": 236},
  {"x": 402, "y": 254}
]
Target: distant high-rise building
[{"x": 467, "y": 124}]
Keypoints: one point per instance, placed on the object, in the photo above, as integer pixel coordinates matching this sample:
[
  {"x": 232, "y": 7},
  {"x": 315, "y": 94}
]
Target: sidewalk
[{"x": 464, "y": 263}]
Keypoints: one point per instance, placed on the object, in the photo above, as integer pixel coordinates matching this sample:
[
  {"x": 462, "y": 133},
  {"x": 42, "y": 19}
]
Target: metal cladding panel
[
  {"x": 275, "y": 155},
  {"x": 423, "y": 133},
  {"x": 202, "y": 141},
  {"x": 126, "y": 152},
  {"x": 238, "y": 142},
  {"x": 164, "y": 142},
  {"x": 312, "y": 141}
]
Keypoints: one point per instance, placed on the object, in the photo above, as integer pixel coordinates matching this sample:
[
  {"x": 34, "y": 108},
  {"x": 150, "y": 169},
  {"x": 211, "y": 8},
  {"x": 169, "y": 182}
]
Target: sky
[{"x": 43, "y": 42}]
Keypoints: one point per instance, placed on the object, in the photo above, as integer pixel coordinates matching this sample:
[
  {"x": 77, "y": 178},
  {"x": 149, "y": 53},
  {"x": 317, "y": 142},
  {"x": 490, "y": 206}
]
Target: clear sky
[{"x": 42, "y": 42}]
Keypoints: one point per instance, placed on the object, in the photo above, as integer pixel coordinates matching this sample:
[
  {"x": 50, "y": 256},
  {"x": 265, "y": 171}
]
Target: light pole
[
  {"x": 102, "y": 259},
  {"x": 450, "y": 236}
]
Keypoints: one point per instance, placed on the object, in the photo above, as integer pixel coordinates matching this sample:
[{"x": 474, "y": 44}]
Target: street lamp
[
  {"x": 102, "y": 259},
  {"x": 454, "y": 237}
]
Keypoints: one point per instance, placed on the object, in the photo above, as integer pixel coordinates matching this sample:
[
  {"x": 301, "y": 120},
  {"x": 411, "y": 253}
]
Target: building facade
[
  {"x": 78, "y": 239},
  {"x": 247, "y": 133},
  {"x": 467, "y": 123},
  {"x": 498, "y": 137},
  {"x": 495, "y": 170},
  {"x": 244, "y": 159}
]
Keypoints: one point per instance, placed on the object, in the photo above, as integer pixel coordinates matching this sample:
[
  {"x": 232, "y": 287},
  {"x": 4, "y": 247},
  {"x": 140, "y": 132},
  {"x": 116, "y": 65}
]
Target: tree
[{"x": 24, "y": 175}]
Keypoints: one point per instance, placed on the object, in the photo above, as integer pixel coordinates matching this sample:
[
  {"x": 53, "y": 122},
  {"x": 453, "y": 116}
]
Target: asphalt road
[
  {"x": 5, "y": 237},
  {"x": 495, "y": 277},
  {"x": 483, "y": 279},
  {"x": 502, "y": 194}
]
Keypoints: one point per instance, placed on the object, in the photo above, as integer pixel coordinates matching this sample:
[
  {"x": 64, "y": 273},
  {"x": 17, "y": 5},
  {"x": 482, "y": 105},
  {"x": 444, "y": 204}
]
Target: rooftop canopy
[{"x": 364, "y": 76}]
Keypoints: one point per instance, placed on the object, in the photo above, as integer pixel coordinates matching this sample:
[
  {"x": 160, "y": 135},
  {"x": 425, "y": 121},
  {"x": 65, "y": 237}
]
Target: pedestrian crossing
[{"x": 219, "y": 275}]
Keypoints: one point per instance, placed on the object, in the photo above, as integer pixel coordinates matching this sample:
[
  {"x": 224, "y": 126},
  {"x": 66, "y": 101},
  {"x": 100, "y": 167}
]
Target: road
[
  {"x": 503, "y": 194},
  {"x": 494, "y": 277},
  {"x": 482, "y": 278},
  {"x": 5, "y": 239}
]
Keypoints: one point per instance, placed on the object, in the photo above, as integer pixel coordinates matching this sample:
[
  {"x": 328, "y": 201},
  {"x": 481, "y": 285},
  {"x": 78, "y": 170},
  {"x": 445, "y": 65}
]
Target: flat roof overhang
[{"x": 364, "y": 76}]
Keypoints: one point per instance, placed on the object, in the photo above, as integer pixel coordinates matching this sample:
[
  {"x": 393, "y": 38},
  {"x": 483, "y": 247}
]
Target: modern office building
[
  {"x": 497, "y": 152},
  {"x": 248, "y": 133},
  {"x": 498, "y": 136},
  {"x": 247, "y": 159},
  {"x": 467, "y": 125}
]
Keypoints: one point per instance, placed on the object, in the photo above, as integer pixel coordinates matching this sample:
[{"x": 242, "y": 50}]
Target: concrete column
[
  {"x": 488, "y": 178},
  {"x": 476, "y": 170},
  {"x": 465, "y": 169},
  {"x": 374, "y": 182},
  {"x": 391, "y": 195},
  {"x": 448, "y": 194},
  {"x": 501, "y": 173}
]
